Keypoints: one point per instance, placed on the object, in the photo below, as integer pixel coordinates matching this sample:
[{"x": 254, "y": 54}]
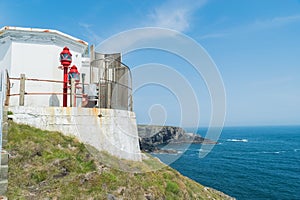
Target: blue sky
[{"x": 255, "y": 45}]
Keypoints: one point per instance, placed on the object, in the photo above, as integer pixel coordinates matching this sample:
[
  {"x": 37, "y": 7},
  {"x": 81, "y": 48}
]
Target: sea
[{"x": 247, "y": 163}]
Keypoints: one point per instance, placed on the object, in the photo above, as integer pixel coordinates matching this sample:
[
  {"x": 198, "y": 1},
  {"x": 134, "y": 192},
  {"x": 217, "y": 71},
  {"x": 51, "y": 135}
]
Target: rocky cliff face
[{"x": 151, "y": 137}]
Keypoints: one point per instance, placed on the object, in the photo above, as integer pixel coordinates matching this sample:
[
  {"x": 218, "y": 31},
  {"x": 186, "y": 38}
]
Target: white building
[
  {"x": 109, "y": 126},
  {"x": 35, "y": 53}
]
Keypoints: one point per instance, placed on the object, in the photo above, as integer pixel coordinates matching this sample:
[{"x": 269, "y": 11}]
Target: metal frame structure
[{"x": 110, "y": 88}]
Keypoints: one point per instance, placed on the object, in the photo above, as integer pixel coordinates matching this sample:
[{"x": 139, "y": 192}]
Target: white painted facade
[{"x": 35, "y": 53}]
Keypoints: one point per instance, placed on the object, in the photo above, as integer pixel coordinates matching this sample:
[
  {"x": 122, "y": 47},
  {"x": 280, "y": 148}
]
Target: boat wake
[{"x": 237, "y": 140}]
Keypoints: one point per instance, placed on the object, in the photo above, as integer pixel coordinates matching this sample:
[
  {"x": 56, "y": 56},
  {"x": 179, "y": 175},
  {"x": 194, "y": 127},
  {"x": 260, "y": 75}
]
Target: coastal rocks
[{"x": 152, "y": 137}]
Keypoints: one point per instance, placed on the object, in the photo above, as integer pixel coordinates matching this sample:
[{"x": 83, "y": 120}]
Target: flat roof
[{"x": 39, "y": 30}]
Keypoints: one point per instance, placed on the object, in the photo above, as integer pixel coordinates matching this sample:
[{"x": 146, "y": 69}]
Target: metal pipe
[
  {"x": 65, "y": 89},
  {"x": 72, "y": 95}
]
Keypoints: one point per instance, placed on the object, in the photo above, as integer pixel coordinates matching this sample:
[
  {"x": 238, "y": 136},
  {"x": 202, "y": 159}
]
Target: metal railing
[
  {"x": 22, "y": 88},
  {"x": 79, "y": 94},
  {"x": 114, "y": 81}
]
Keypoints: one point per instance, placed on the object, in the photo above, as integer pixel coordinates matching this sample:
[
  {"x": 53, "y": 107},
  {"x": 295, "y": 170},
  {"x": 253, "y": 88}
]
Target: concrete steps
[
  {"x": 3, "y": 188},
  {"x": 3, "y": 174},
  {"x": 4, "y": 158}
]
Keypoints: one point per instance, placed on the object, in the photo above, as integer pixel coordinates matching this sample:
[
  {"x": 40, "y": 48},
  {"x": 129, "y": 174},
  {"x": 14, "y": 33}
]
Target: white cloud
[
  {"x": 274, "y": 22},
  {"x": 212, "y": 35},
  {"x": 174, "y": 14},
  {"x": 272, "y": 82},
  {"x": 134, "y": 38},
  {"x": 258, "y": 25},
  {"x": 286, "y": 19},
  {"x": 90, "y": 34}
]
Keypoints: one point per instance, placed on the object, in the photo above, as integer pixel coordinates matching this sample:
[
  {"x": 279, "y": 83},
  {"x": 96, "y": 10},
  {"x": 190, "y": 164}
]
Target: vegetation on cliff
[{"x": 49, "y": 165}]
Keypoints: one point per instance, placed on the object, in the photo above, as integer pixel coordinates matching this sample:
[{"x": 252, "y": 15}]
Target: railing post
[
  {"x": 72, "y": 93},
  {"x": 22, "y": 90},
  {"x": 83, "y": 82}
]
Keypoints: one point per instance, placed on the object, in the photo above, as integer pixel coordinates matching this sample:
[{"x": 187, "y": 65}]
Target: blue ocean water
[{"x": 248, "y": 163}]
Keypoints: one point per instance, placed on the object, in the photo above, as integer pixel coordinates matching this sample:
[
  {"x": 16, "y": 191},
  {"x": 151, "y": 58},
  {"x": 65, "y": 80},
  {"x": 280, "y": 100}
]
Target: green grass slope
[{"x": 49, "y": 165}]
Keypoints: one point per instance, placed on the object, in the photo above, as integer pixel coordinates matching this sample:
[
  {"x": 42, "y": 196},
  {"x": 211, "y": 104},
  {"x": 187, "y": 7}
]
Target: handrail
[
  {"x": 35, "y": 79},
  {"x": 39, "y": 93},
  {"x": 55, "y": 81},
  {"x": 109, "y": 59},
  {"x": 72, "y": 93}
]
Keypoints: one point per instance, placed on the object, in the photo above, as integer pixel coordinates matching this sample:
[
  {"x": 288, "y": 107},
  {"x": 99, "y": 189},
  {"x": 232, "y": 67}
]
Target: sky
[{"x": 254, "y": 44}]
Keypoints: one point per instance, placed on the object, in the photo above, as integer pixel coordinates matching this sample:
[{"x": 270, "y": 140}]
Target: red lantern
[
  {"x": 66, "y": 57},
  {"x": 65, "y": 60},
  {"x": 73, "y": 73}
]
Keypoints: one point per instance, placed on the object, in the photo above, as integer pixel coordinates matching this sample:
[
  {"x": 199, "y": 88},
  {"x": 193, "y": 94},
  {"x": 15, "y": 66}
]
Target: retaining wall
[{"x": 111, "y": 130}]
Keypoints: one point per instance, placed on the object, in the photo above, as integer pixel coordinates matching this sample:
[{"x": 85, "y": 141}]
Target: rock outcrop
[{"x": 151, "y": 137}]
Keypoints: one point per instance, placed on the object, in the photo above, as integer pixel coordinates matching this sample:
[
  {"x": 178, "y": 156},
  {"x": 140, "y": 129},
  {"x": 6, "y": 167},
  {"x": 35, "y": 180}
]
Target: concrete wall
[{"x": 115, "y": 131}]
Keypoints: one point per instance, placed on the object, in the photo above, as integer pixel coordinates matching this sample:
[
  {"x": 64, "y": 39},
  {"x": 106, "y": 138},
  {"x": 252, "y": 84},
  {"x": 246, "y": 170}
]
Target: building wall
[
  {"x": 5, "y": 54},
  {"x": 39, "y": 61},
  {"x": 114, "y": 132}
]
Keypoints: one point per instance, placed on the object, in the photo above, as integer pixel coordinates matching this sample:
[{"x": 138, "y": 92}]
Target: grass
[{"x": 50, "y": 165}]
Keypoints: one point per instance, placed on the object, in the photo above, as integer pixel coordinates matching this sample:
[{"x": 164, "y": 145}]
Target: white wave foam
[
  {"x": 237, "y": 140},
  {"x": 193, "y": 150},
  {"x": 203, "y": 150},
  {"x": 276, "y": 152},
  {"x": 269, "y": 152}
]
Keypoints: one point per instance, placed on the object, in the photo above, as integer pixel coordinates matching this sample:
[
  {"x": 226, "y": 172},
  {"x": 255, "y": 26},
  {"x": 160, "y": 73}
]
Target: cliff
[
  {"x": 151, "y": 137},
  {"x": 49, "y": 165}
]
